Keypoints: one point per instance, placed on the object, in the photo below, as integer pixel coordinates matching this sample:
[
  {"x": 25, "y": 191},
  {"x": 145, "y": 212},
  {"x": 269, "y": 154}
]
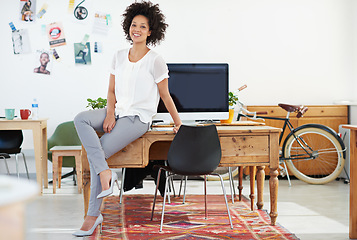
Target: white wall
[{"x": 296, "y": 51}]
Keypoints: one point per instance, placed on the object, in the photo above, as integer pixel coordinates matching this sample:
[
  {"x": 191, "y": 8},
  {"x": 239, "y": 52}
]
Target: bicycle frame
[{"x": 287, "y": 123}]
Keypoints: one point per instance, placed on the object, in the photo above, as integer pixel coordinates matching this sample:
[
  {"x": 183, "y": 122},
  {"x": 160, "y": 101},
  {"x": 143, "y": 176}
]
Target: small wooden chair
[{"x": 58, "y": 152}]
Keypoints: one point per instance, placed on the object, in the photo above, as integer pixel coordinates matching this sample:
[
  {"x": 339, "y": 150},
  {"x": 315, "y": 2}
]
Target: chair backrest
[
  {"x": 10, "y": 141},
  {"x": 65, "y": 134},
  {"x": 195, "y": 150}
]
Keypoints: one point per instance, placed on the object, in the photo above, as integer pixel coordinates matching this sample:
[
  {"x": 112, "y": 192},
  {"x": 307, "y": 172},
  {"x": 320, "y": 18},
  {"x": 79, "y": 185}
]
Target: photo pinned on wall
[
  {"x": 21, "y": 41},
  {"x": 43, "y": 62},
  {"x": 27, "y": 10},
  {"x": 82, "y": 53},
  {"x": 101, "y": 23},
  {"x": 55, "y": 34},
  {"x": 81, "y": 10}
]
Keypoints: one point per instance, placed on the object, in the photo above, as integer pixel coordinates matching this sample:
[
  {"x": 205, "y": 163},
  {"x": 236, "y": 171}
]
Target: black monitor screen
[{"x": 198, "y": 87}]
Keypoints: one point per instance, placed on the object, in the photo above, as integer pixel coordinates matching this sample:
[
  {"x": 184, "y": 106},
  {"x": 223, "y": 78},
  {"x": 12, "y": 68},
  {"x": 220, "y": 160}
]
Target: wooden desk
[
  {"x": 241, "y": 146},
  {"x": 353, "y": 180},
  {"x": 39, "y": 130}
]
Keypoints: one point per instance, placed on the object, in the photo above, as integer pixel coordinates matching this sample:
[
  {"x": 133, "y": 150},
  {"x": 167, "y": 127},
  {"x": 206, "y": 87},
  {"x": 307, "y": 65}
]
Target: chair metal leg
[
  {"x": 75, "y": 176},
  {"x": 122, "y": 186},
  {"x": 205, "y": 177},
  {"x": 184, "y": 191},
  {"x": 164, "y": 202},
  {"x": 171, "y": 186},
  {"x": 157, "y": 186},
  {"x": 27, "y": 171},
  {"x": 179, "y": 193},
  {"x": 225, "y": 198},
  {"x": 17, "y": 165},
  {"x": 7, "y": 166},
  {"x": 168, "y": 195}
]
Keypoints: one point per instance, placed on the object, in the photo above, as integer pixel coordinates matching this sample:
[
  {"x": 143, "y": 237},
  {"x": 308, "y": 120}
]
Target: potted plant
[
  {"x": 97, "y": 103},
  {"x": 232, "y": 101}
]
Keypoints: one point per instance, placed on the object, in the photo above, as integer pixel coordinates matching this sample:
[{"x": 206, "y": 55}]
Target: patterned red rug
[{"x": 131, "y": 220}]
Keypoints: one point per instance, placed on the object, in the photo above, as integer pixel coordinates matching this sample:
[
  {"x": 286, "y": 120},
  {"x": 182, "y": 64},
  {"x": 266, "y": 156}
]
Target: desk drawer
[
  {"x": 244, "y": 149},
  {"x": 130, "y": 156}
]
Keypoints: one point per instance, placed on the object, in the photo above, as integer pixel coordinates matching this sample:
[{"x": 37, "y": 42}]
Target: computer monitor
[{"x": 199, "y": 90}]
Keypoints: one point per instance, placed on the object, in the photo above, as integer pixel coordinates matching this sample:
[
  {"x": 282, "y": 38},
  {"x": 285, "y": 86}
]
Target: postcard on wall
[
  {"x": 101, "y": 23},
  {"x": 21, "y": 41},
  {"x": 43, "y": 63},
  {"x": 55, "y": 34},
  {"x": 82, "y": 53},
  {"x": 27, "y": 10}
]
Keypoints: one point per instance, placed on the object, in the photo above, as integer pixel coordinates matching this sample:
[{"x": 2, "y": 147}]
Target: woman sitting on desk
[{"x": 138, "y": 78}]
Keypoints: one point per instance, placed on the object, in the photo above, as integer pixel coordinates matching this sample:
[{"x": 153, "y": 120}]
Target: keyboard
[{"x": 162, "y": 129}]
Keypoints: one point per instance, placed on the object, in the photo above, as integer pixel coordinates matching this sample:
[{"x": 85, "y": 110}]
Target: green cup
[{"x": 9, "y": 113}]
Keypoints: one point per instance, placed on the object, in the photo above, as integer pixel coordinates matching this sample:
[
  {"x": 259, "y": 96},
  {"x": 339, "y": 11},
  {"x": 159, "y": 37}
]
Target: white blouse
[{"x": 136, "y": 88}]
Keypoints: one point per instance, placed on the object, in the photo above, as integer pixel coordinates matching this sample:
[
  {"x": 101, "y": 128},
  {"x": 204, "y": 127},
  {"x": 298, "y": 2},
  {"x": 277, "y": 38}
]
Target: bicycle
[{"x": 313, "y": 153}]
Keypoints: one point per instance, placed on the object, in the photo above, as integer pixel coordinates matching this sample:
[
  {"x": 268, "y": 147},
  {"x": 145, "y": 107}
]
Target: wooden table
[
  {"x": 39, "y": 130},
  {"x": 241, "y": 146},
  {"x": 353, "y": 180}
]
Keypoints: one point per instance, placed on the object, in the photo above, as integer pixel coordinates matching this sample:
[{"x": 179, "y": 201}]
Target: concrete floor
[{"x": 312, "y": 212}]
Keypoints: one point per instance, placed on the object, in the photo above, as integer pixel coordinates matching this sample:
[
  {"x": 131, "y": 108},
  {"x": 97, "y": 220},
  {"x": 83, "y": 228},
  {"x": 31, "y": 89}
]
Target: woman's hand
[
  {"x": 176, "y": 128},
  {"x": 109, "y": 123}
]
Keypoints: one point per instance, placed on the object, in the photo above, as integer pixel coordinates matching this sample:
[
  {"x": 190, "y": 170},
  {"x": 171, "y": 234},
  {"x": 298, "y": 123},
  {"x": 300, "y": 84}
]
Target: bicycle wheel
[
  {"x": 223, "y": 171},
  {"x": 317, "y": 155}
]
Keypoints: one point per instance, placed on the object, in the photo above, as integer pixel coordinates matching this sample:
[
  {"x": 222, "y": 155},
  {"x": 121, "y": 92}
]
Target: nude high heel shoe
[
  {"x": 110, "y": 190},
  {"x": 81, "y": 233}
]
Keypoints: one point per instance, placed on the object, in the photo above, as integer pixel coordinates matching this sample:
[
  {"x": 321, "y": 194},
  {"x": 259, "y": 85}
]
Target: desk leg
[
  {"x": 59, "y": 172},
  {"x": 273, "y": 184},
  {"x": 37, "y": 141},
  {"x": 240, "y": 180},
  {"x": 79, "y": 172},
  {"x": 86, "y": 180},
  {"x": 252, "y": 186},
  {"x": 260, "y": 186},
  {"x": 54, "y": 171},
  {"x": 44, "y": 157}
]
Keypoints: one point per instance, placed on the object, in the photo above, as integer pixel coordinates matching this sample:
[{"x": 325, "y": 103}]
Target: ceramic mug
[
  {"x": 9, "y": 113},
  {"x": 25, "y": 113}
]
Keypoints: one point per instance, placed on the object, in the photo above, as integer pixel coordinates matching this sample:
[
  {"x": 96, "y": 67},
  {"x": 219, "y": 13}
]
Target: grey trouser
[{"x": 126, "y": 130}]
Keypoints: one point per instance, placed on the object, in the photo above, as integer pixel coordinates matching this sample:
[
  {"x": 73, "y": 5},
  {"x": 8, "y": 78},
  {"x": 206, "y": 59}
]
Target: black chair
[
  {"x": 195, "y": 151},
  {"x": 10, "y": 144}
]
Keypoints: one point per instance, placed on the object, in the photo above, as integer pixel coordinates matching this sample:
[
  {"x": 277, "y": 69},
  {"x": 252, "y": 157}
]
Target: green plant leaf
[{"x": 97, "y": 103}]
